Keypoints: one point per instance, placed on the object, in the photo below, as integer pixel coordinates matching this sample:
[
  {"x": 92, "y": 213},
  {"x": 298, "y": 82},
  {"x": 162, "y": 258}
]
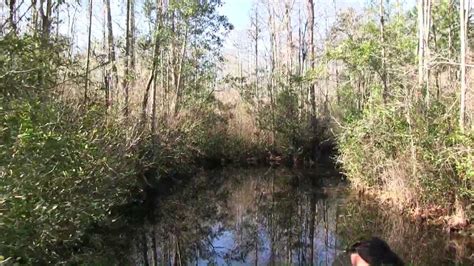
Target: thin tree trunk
[
  {"x": 111, "y": 52},
  {"x": 289, "y": 41},
  {"x": 11, "y": 18},
  {"x": 256, "y": 55},
  {"x": 450, "y": 44},
  {"x": 86, "y": 88},
  {"x": 424, "y": 22},
  {"x": 153, "y": 73},
  {"x": 310, "y": 6},
  {"x": 105, "y": 71},
  {"x": 126, "y": 77},
  {"x": 146, "y": 96},
  {"x": 46, "y": 19},
  {"x": 300, "y": 63},
  {"x": 34, "y": 17},
  {"x": 382, "y": 43},
  {"x": 426, "y": 60},
  {"x": 463, "y": 39},
  {"x": 132, "y": 40},
  {"x": 421, "y": 43},
  {"x": 272, "y": 68},
  {"x": 179, "y": 74},
  {"x": 159, "y": 21}
]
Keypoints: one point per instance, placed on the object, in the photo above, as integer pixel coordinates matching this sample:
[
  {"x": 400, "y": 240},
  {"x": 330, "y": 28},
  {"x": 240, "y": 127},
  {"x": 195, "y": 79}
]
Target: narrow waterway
[{"x": 277, "y": 217}]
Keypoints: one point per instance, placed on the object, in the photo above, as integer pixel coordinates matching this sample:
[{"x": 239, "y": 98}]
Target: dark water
[{"x": 277, "y": 217}]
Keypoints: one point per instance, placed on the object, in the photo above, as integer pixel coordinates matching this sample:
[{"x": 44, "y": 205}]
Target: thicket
[
  {"x": 84, "y": 132},
  {"x": 66, "y": 166},
  {"x": 406, "y": 146}
]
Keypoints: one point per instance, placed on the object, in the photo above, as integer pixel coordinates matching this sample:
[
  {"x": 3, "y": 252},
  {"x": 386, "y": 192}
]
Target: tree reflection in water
[{"x": 275, "y": 217}]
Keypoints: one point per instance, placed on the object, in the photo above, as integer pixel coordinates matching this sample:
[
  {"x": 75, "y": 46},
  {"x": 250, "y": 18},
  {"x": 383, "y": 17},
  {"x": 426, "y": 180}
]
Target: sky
[{"x": 237, "y": 11}]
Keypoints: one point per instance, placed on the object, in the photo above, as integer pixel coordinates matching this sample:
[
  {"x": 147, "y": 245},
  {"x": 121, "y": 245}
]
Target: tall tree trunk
[
  {"x": 312, "y": 87},
  {"x": 34, "y": 16},
  {"x": 257, "y": 29},
  {"x": 132, "y": 40},
  {"x": 46, "y": 19},
  {"x": 424, "y": 22},
  {"x": 301, "y": 64},
  {"x": 11, "y": 17},
  {"x": 450, "y": 44},
  {"x": 382, "y": 43},
  {"x": 289, "y": 41},
  {"x": 271, "y": 87},
  {"x": 179, "y": 71},
  {"x": 105, "y": 71},
  {"x": 156, "y": 51},
  {"x": 463, "y": 39},
  {"x": 426, "y": 61},
  {"x": 111, "y": 52},
  {"x": 126, "y": 77},
  {"x": 159, "y": 21},
  {"x": 86, "y": 88},
  {"x": 421, "y": 43}
]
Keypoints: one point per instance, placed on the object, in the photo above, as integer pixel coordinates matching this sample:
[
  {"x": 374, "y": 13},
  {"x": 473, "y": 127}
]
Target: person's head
[{"x": 373, "y": 252}]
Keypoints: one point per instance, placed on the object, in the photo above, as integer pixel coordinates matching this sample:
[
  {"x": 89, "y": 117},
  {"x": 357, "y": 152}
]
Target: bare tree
[
  {"x": 152, "y": 79},
  {"x": 382, "y": 43},
  {"x": 424, "y": 22},
  {"x": 255, "y": 36},
  {"x": 132, "y": 38},
  {"x": 86, "y": 88},
  {"x": 11, "y": 17},
  {"x": 463, "y": 7},
  {"x": 111, "y": 51},
  {"x": 34, "y": 16},
  {"x": 46, "y": 18},
  {"x": 312, "y": 87},
  {"x": 273, "y": 45},
  {"x": 159, "y": 22},
  {"x": 126, "y": 78},
  {"x": 289, "y": 39},
  {"x": 427, "y": 32}
]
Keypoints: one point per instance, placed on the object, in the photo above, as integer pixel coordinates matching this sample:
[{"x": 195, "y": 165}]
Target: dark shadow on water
[{"x": 274, "y": 217}]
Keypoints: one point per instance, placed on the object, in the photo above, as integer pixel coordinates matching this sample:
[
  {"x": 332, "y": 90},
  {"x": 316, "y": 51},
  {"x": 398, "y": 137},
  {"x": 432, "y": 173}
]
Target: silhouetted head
[{"x": 373, "y": 252}]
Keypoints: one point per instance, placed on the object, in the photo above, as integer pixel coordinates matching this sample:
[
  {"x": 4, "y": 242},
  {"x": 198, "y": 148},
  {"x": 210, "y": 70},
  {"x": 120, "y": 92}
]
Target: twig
[{"x": 450, "y": 63}]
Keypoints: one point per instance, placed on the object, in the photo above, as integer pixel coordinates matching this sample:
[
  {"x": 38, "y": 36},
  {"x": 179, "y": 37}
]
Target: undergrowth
[{"x": 416, "y": 158}]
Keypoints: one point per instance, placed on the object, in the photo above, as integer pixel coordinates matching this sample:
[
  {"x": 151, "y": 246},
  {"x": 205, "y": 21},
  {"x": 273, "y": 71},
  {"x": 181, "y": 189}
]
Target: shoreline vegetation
[{"x": 89, "y": 128}]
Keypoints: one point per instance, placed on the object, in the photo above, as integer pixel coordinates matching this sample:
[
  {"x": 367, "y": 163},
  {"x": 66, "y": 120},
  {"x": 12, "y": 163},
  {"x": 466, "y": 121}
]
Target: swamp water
[{"x": 276, "y": 217}]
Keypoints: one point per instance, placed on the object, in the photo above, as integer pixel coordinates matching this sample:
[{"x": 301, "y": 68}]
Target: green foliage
[
  {"x": 292, "y": 130},
  {"x": 410, "y": 151},
  {"x": 60, "y": 173},
  {"x": 61, "y": 169},
  {"x": 207, "y": 135},
  {"x": 443, "y": 157},
  {"x": 25, "y": 67}
]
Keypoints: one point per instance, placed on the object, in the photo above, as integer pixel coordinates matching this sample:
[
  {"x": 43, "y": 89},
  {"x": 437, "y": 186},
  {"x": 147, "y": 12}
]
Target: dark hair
[{"x": 376, "y": 252}]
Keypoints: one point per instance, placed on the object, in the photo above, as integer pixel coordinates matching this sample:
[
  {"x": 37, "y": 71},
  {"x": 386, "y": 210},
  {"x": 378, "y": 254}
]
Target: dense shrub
[
  {"x": 61, "y": 168},
  {"x": 66, "y": 165},
  {"x": 419, "y": 161},
  {"x": 60, "y": 173}
]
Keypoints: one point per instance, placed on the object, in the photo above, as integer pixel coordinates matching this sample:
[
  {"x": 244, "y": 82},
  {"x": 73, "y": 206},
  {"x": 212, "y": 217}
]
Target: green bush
[
  {"x": 430, "y": 153},
  {"x": 59, "y": 175},
  {"x": 61, "y": 169}
]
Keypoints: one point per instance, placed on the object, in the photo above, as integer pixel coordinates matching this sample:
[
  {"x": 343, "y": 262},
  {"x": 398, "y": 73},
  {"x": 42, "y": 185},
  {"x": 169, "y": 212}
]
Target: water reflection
[{"x": 275, "y": 217}]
